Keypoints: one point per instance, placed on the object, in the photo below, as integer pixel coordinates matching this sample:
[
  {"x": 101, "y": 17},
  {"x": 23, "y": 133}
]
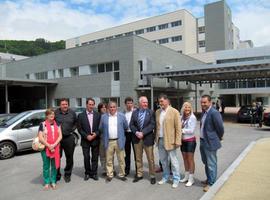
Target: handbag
[{"x": 37, "y": 145}]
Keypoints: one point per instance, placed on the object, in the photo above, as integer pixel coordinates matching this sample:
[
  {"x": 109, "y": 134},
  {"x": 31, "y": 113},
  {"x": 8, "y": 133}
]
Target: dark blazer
[
  {"x": 148, "y": 127},
  {"x": 122, "y": 126},
  {"x": 84, "y": 128},
  {"x": 213, "y": 129}
]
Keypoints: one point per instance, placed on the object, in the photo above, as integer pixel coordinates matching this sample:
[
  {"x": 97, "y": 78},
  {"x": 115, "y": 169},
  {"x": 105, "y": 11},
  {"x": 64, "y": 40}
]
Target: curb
[{"x": 227, "y": 173}]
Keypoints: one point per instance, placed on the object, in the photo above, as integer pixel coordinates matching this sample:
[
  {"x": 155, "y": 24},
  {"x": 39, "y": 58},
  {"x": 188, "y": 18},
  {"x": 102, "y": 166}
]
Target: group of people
[
  {"x": 256, "y": 114},
  {"x": 107, "y": 132}
]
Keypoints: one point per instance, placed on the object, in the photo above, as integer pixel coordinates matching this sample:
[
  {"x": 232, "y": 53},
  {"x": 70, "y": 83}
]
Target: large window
[
  {"x": 201, "y": 29},
  {"x": 163, "y": 41},
  {"x": 101, "y": 68},
  {"x": 202, "y": 43},
  {"x": 129, "y": 33},
  {"x": 41, "y": 75},
  {"x": 176, "y": 23},
  {"x": 163, "y": 26},
  {"x": 61, "y": 73},
  {"x": 151, "y": 29},
  {"x": 78, "y": 102},
  {"x": 138, "y": 32},
  {"x": 177, "y": 38},
  {"x": 116, "y": 66},
  {"x": 116, "y": 73},
  {"x": 93, "y": 69},
  {"x": 109, "y": 67},
  {"x": 74, "y": 71},
  {"x": 109, "y": 38},
  {"x": 119, "y": 35}
]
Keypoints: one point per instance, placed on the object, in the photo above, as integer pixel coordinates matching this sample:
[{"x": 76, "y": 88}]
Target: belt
[{"x": 114, "y": 139}]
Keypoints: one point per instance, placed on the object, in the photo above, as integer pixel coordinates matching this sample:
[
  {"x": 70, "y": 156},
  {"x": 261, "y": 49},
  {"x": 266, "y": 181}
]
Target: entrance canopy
[
  {"x": 216, "y": 73},
  {"x": 21, "y": 94},
  {"x": 26, "y": 82}
]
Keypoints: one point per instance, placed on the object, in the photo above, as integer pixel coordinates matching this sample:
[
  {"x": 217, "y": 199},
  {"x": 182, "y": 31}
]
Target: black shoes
[
  {"x": 126, "y": 173},
  {"x": 67, "y": 179},
  {"x": 153, "y": 181},
  {"x": 123, "y": 178},
  {"x": 58, "y": 177},
  {"x": 136, "y": 179},
  {"x": 104, "y": 174},
  {"x": 108, "y": 179},
  {"x": 95, "y": 177},
  {"x": 86, "y": 177}
]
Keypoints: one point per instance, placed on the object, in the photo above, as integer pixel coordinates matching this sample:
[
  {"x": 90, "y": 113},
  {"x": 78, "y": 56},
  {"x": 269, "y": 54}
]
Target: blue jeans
[
  {"x": 209, "y": 159},
  {"x": 167, "y": 156}
]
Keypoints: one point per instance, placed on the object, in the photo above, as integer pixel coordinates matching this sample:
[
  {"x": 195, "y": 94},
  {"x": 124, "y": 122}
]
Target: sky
[{"x": 64, "y": 19}]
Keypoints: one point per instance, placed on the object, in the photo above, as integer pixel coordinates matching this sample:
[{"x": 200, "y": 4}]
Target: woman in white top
[{"x": 188, "y": 146}]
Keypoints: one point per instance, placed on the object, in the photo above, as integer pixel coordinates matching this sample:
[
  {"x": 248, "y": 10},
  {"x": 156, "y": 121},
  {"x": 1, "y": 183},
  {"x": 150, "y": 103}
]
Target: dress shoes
[
  {"x": 153, "y": 181},
  {"x": 126, "y": 173},
  {"x": 67, "y": 179},
  {"x": 123, "y": 178},
  {"x": 58, "y": 177},
  {"x": 104, "y": 174},
  {"x": 95, "y": 177},
  {"x": 206, "y": 188},
  {"x": 86, "y": 177},
  {"x": 136, "y": 179},
  {"x": 108, "y": 179}
]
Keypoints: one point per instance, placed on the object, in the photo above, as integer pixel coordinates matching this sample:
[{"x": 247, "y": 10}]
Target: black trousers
[
  {"x": 128, "y": 145},
  {"x": 91, "y": 167},
  {"x": 67, "y": 145}
]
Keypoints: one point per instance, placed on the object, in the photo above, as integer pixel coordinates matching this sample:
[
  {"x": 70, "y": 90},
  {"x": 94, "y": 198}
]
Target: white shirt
[
  {"x": 128, "y": 118},
  {"x": 113, "y": 126},
  {"x": 161, "y": 120}
]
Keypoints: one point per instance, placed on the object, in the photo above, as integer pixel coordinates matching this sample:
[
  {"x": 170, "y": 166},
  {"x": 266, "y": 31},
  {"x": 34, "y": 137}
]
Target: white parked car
[{"x": 17, "y": 133}]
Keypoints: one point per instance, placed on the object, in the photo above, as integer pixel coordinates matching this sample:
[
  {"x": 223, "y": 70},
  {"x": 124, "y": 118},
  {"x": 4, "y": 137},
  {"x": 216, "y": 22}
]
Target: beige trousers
[
  {"x": 149, "y": 150},
  {"x": 112, "y": 148}
]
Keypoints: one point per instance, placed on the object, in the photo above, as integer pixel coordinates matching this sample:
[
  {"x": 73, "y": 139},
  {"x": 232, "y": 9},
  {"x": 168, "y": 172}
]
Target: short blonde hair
[
  {"x": 185, "y": 104},
  {"x": 49, "y": 111}
]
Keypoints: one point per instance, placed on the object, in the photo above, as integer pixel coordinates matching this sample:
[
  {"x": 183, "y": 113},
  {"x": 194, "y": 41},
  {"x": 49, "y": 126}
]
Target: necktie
[{"x": 141, "y": 115}]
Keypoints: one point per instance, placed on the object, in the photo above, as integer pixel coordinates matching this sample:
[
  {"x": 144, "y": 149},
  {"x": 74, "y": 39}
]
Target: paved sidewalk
[{"x": 251, "y": 179}]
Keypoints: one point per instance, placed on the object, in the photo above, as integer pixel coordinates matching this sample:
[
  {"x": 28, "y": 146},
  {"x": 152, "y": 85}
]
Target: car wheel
[{"x": 7, "y": 150}]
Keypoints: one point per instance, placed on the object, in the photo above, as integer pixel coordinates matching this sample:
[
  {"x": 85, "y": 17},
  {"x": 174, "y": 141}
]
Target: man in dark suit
[
  {"x": 211, "y": 134},
  {"x": 142, "y": 125},
  {"x": 129, "y": 142},
  {"x": 88, "y": 127}
]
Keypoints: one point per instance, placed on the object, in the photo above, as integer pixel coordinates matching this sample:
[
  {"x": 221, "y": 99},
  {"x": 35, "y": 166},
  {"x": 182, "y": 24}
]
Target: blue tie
[{"x": 141, "y": 116}]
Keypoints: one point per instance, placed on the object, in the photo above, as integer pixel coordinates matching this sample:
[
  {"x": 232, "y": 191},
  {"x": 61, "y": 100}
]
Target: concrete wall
[
  {"x": 187, "y": 30},
  {"x": 218, "y": 26}
]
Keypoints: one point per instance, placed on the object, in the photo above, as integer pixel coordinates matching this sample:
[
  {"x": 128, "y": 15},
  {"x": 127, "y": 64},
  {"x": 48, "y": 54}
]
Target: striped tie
[{"x": 141, "y": 115}]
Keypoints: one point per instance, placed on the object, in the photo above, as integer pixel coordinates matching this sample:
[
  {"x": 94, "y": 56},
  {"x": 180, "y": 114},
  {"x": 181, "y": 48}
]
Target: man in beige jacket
[{"x": 168, "y": 139}]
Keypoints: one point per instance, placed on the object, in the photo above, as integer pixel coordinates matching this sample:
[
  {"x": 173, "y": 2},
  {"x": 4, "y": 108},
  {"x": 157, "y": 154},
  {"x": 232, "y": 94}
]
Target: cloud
[
  {"x": 27, "y": 20},
  {"x": 55, "y": 20},
  {"x": 253, "y": 22}
]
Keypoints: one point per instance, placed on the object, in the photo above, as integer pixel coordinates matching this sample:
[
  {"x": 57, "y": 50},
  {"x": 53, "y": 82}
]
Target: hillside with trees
[{"x": 30, "y": 48}]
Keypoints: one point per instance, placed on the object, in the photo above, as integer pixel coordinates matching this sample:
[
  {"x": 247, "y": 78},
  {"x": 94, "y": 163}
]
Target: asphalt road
[{"x": 21, "y": 176}]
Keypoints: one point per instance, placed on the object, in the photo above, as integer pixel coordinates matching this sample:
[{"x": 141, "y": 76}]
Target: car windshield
[{"x": 14, "y": 119}]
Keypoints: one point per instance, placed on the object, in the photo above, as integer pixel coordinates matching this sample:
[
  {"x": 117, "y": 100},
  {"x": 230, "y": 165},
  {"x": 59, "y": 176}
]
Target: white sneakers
[
  {"x": 188, "y": 178},
  {"x": 185, "y": 179},
  {"x": 175, "y": 185},
  {"x": 162, "y": 181}
]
